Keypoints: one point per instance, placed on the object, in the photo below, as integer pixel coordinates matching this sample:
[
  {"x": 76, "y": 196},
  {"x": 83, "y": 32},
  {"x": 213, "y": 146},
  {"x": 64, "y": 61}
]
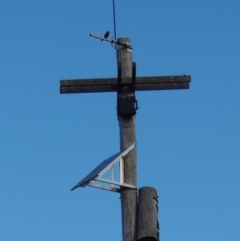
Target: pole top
[{"x": 124, "y": 40}]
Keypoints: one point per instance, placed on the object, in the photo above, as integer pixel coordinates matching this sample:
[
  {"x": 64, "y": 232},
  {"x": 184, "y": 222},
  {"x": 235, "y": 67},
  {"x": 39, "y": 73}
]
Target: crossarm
[{"x": 110, "y": 84}]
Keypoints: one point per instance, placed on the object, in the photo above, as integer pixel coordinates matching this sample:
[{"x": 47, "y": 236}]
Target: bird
[{"x": 106, "y": 35}]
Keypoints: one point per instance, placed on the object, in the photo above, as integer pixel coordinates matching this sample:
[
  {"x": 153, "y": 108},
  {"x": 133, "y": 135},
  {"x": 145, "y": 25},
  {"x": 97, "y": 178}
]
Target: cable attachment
[{"x": 126, "y": 100}]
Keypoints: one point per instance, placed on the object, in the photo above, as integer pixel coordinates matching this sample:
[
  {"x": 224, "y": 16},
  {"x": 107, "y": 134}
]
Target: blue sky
[{"x": 187, "y": 140}]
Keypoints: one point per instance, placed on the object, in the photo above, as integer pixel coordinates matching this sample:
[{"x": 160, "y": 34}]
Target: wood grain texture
[
  {"x": 127, "y": 138},
  {"x": 148, "y": 226}
]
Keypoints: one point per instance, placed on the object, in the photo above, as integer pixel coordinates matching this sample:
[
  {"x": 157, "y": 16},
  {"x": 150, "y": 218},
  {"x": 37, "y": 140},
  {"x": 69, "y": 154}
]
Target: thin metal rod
[
  {"x": 112, "y": 175},
  {"x": 110, "y": 41},
  {"x": 114, "y": 20},
  {"x": 121, "y": 167}
]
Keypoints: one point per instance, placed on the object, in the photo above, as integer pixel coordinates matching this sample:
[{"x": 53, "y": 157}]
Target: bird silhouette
[{"x": 106, "y": 35}]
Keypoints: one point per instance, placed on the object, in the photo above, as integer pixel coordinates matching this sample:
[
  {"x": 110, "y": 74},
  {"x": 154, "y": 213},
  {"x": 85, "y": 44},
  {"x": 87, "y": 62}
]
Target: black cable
[{"x": 114, "y": 20}]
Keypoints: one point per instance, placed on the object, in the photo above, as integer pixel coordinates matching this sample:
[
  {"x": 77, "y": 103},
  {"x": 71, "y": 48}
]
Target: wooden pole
[
  {"x": 127, "y": 138},
  {"x": 148, "y": 226}
]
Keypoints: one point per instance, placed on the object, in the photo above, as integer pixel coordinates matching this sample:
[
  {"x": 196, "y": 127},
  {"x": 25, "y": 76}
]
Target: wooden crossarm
[{"x": 110, "y": 84}]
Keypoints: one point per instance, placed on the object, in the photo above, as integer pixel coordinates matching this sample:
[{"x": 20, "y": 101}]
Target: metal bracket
[
  {"x": 111, "y": 41},
  {"x": 94, "y": 178},
  {"x": 126, "y": 100}
]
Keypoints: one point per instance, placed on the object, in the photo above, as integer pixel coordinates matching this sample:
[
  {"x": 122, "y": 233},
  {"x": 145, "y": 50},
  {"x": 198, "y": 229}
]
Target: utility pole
[
  {"x": 127, "y": 137},
  {"x": 139, "y": 217}
]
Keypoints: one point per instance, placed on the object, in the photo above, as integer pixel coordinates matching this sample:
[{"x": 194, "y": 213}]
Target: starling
[{"x": 106, "y": 35}]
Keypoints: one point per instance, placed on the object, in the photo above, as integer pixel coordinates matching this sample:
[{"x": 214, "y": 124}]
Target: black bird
[{"x": 106, "y": 35}]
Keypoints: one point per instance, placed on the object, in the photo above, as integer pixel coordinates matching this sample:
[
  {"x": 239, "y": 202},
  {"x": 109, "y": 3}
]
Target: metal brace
[
  {"x": 112, "y": 41},
  {"x": 126, "y": 100}
]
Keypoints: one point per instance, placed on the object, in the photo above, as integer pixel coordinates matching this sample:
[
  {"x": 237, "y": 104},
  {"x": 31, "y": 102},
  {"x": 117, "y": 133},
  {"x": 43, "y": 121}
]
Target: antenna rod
[{"x": 114, "y": 20}]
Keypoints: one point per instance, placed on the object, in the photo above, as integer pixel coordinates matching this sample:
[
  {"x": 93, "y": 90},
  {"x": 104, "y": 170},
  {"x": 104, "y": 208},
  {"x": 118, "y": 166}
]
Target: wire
[{"x": 114, "y": 20}]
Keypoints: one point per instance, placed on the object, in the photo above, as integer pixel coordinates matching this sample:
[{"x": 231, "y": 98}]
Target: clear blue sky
[{"x": 188, "y": 141}]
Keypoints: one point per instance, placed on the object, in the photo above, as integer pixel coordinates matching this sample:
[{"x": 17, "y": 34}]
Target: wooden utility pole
[
  {"x": 127, "y": 137},
  {"x": 125, "y": 85},
  {"x": 148, "y": 225}
]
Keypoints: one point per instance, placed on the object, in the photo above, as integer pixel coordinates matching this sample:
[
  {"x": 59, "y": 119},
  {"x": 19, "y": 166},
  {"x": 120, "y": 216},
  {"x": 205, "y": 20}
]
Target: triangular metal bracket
[{"x": 95, "y": 176}]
